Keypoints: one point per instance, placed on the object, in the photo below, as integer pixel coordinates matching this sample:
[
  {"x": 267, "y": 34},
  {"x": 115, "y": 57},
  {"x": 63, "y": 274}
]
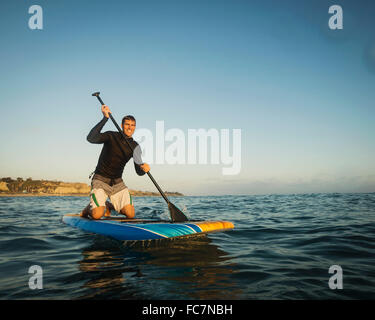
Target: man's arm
[
  {"x": 140, "y": 167},
  {"x": 95, "y": 136}
]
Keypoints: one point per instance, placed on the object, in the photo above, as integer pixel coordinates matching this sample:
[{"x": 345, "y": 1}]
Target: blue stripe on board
[
  {"x": 165, "y": 229},
  {"x": 117, "y": 231},
  {"x": 194, "y": 226},
  {"x": 169, "y": 229}
]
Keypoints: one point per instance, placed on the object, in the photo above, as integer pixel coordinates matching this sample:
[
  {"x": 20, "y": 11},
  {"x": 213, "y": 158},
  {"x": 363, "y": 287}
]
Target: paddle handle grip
[{"x": 100, "y": 100}]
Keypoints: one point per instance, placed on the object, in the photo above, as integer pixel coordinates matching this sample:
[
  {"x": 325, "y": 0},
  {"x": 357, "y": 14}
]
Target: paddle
[{"x": 176, "y": 214}]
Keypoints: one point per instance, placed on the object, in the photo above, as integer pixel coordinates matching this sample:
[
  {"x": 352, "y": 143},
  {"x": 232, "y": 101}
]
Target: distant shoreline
[{"x": 44, "y": 188}]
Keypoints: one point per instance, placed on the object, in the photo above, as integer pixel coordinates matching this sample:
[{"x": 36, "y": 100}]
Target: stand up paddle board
[{"x": 136, "y": 229}]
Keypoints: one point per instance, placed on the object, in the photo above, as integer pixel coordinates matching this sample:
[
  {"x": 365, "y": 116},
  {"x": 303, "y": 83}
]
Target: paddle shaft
[{"x": 131, "y": 148}]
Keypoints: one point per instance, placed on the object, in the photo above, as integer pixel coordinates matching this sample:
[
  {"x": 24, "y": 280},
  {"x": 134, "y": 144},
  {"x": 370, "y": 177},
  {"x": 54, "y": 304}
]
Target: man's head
[{"x": 128, "y": 125}]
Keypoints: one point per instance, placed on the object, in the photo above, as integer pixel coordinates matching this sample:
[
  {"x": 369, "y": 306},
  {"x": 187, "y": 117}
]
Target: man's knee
[
  {"x": 97, "y": 213},
  {"x": 129, "y": 211}
]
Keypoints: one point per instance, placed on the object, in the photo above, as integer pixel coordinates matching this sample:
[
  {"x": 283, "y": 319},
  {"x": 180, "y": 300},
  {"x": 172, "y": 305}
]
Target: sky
[{"x": 301, "y": 94}]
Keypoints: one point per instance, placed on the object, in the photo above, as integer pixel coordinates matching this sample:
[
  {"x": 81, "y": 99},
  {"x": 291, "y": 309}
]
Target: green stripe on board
[{"x": 94, "y": 198}]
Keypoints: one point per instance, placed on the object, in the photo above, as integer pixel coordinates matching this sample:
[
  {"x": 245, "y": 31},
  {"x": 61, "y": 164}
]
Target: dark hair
[{"x": 128, "y": 117}]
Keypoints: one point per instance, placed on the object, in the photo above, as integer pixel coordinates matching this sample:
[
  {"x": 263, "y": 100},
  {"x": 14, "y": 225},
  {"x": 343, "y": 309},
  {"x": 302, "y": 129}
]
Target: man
[{"x": 107, "y": 181}]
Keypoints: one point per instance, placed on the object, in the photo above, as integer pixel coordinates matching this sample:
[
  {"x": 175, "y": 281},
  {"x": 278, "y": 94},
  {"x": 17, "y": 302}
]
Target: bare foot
[
  {"x": 109, "y": 207},
  {"x": 85, "y": 212}
]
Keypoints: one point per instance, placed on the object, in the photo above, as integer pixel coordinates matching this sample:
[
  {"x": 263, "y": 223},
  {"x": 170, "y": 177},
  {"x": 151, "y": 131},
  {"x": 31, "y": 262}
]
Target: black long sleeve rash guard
[{"x": 115, "y": 153}]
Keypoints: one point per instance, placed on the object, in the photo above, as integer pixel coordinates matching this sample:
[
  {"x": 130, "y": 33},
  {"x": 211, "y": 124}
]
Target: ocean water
[{"x": 281, "y": 248}]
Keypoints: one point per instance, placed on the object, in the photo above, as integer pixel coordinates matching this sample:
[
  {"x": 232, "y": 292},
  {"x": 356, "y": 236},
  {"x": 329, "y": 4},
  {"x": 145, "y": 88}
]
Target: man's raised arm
[{"x": 95, "y": 136}]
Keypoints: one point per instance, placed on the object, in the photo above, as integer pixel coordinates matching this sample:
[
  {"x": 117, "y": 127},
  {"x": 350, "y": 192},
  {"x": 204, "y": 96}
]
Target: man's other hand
[{"x": 145, "y": 167}]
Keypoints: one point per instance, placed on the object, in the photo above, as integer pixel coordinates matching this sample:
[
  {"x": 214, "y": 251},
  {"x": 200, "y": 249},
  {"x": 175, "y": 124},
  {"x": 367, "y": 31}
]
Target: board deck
[{"x": 141, "y": 229}]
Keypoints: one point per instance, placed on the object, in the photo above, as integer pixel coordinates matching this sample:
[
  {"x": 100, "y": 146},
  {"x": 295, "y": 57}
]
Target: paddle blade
[{"x": 176, "y": 214}]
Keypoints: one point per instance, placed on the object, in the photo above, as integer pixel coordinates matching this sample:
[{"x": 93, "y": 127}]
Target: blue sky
[{"x": 302, "y": 94}]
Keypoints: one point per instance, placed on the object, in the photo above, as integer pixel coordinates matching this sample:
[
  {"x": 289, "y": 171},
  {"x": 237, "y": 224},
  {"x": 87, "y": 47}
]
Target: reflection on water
[
  {"x": 193, "y": 267},
  {"x": 93, "y": 263}
]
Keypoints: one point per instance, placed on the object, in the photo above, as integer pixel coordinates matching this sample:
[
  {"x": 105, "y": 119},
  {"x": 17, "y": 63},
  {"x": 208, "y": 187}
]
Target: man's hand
[
  {"x": 145, "y": 167},
  {"x": 106, "y": 111}
]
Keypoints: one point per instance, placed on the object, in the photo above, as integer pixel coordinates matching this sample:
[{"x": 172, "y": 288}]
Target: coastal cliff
[{"x": 30, "y": 187}]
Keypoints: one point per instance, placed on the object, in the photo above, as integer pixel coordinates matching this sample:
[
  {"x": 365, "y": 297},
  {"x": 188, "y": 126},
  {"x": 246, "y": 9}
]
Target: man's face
[{"x": 128, "y": 127}]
